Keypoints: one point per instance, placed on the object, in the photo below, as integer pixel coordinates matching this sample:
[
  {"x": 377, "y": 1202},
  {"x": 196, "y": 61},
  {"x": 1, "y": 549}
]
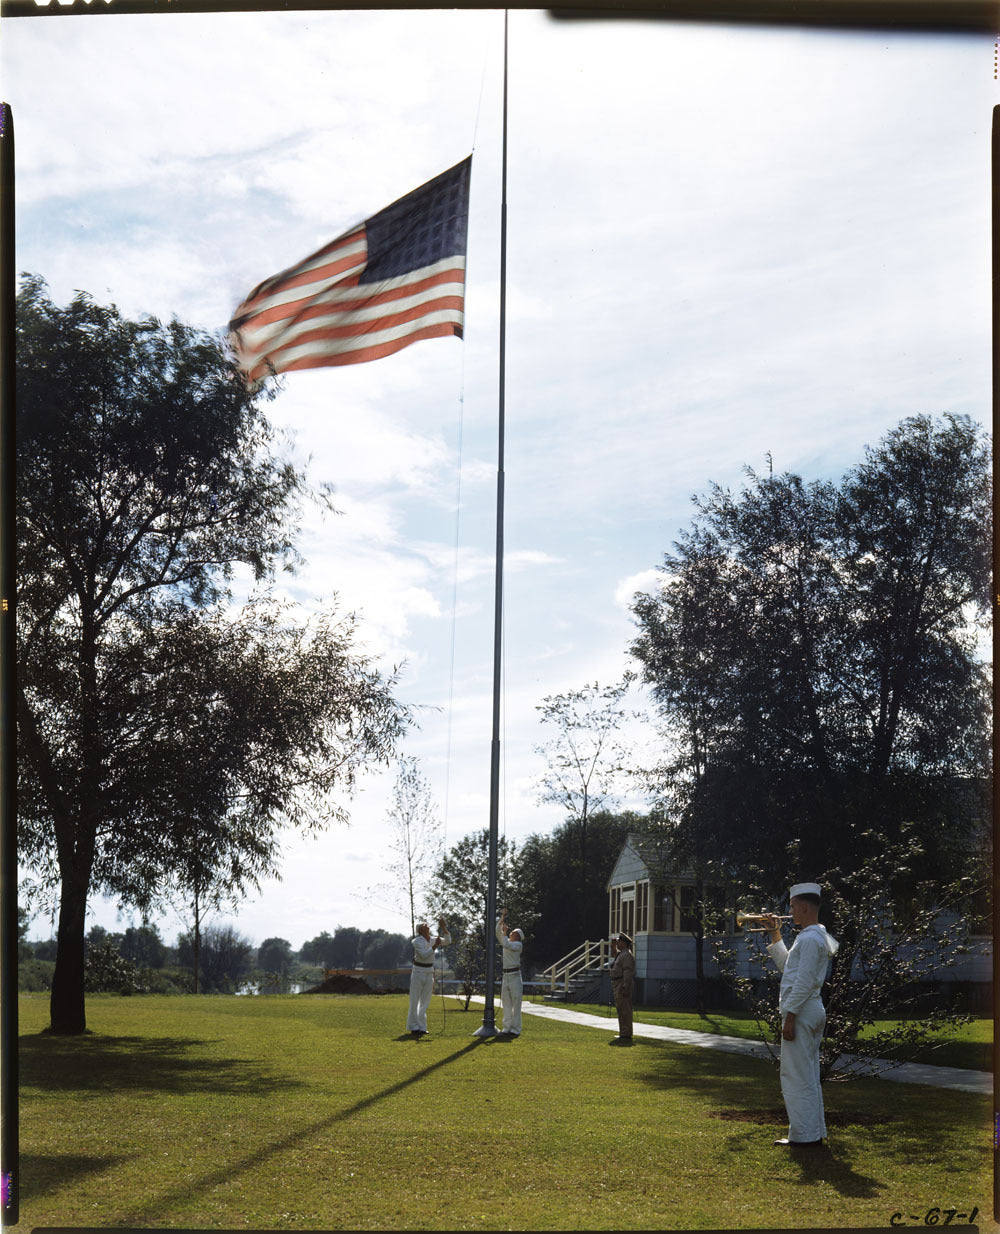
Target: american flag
[{"x": 396, "y": 278}]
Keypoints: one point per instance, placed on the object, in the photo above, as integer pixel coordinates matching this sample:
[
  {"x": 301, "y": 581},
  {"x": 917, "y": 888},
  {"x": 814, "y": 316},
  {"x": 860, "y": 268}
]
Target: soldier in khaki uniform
[{"x": 622, "y": 977}]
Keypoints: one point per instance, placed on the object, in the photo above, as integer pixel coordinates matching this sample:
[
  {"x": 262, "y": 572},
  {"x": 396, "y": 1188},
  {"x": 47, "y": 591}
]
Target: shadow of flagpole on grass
[{"x": 156, "y": 1207}]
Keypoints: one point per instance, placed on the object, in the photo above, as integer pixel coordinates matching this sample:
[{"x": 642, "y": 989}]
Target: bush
[
  {"x": 105, "y": 971},
  {"x": 166, "y": 981},
  {"x": 45, "y": 950},
  {"x": 35, "y": 976}
]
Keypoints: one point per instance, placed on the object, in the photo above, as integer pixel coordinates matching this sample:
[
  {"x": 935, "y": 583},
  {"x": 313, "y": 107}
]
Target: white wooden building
[{"x": 650, "y": 909}]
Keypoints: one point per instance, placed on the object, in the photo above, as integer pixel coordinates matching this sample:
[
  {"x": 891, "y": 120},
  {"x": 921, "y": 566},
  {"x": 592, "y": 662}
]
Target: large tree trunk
[
  {"x": 76, "y": 838},
  {"x": 75, "y": 842},
  {"x": 67, "y": 1011}
]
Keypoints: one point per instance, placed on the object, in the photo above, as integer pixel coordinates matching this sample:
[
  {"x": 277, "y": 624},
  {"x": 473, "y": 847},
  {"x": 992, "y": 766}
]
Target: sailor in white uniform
[
  {"x": 512, "y": 985},
  {"x": 803, "y": 970},
  {"x": 422, "y": 974}
]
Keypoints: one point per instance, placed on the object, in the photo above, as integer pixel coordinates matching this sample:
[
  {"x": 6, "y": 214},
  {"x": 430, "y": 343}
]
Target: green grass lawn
[
  {"x": 319, "y": 1112},
  {"x": 970, "y": 1046}
]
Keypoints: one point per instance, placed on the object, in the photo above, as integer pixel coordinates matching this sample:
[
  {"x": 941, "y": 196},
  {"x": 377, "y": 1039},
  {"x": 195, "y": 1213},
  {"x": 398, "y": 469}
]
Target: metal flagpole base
[{"x": 486, "y": 1030}]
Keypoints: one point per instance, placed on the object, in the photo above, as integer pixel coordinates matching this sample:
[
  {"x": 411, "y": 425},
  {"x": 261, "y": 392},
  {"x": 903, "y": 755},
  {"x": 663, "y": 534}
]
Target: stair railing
[{"x": 579, "y": 960}]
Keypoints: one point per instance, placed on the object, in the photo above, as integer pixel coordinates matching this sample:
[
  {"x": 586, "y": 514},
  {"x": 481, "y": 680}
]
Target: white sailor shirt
[
  {"x": 423, "y": 952},
  {"x": 511, "y": 949},
  {"x": 803, "y": 967}
]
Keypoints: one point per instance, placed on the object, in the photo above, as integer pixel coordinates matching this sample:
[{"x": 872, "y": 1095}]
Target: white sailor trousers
[
  {"x": 511, "y": 993},
  {"x": 800, "y": 1086},
  {"x": 421, "y": 990}
]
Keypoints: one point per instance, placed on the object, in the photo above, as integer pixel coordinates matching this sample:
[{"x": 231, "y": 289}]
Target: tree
[
  {"x": 385, "y": 950},
  {"x": 292, "y": 712},
  {"x": 566, "y": 901},
  {"x": 33, "y": 973},
  {"x": 346, "y": 947},
  {"x": 159, "y": 732},
  {"x": 811, "y": 655},
  {"x": 24, "y": 950},
  {"x": 458, "y": 890},
  {"x": 458, "y": 894},
  {"x": 226, "y": 958},
  {"x": 318, "y": 950},
  {"x": 416, "y": 835},
  {"x": 143, "y": 946},
  {"x": 97, "y": 936},
  {"x": 274, "y": 957},
  {"x": 586, "y": 758},
  {"x": 46, "y": 950}
]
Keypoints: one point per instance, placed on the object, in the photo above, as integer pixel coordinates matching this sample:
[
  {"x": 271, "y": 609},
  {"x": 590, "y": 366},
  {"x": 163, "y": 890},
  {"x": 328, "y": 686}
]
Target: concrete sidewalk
[{"x": 905, "y": 1073}]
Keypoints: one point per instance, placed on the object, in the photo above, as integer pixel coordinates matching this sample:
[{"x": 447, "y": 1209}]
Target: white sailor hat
[{"x": 805, "y": 889}]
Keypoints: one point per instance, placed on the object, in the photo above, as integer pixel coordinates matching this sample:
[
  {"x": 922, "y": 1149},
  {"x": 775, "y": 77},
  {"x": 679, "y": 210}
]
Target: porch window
[
  {"x": 628, "y": 910},
  {"x": 642, "y": 908},
  {"x": 689, "y": 910},
  {"x": 663, "y": 909}
]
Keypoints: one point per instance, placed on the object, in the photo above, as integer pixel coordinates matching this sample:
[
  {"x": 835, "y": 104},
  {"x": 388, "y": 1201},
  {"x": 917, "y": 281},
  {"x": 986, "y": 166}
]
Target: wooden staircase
[{"x": 577, "y": 976}]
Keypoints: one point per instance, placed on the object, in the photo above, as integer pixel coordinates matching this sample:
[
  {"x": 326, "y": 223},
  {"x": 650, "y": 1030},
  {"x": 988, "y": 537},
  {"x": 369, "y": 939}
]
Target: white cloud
[{"x": 645, "y": 581}]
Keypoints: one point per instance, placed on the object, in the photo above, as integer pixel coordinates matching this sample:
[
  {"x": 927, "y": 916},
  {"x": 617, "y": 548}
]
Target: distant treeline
[{"x": 138, "y": 960}]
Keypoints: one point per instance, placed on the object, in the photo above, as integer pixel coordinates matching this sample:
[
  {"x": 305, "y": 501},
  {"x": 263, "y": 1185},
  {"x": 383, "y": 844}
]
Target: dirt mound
[{"x": 341, "y": 984}]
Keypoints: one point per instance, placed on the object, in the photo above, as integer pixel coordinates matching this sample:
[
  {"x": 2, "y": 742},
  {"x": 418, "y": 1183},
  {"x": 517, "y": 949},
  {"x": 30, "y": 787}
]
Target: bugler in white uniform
[{"x": 803, "y": 969}]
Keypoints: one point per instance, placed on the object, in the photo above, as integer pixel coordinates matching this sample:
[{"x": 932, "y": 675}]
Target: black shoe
[{"x": 786, "y": 1143}]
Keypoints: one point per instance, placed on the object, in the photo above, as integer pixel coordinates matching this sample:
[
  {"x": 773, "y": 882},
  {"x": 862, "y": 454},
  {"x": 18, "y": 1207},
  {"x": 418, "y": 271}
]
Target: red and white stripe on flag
[{"x": 397, "y": 278}]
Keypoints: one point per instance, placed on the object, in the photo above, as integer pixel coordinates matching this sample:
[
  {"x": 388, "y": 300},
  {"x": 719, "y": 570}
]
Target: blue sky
[{"x": 722, "y": 242}]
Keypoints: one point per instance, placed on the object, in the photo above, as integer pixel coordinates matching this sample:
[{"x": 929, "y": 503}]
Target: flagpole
[{"x": 488, "y": 1028}]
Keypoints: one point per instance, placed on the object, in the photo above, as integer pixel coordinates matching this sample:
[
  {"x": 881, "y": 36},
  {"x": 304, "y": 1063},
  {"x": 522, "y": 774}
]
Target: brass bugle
[{"x": 743, "y": 918}]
